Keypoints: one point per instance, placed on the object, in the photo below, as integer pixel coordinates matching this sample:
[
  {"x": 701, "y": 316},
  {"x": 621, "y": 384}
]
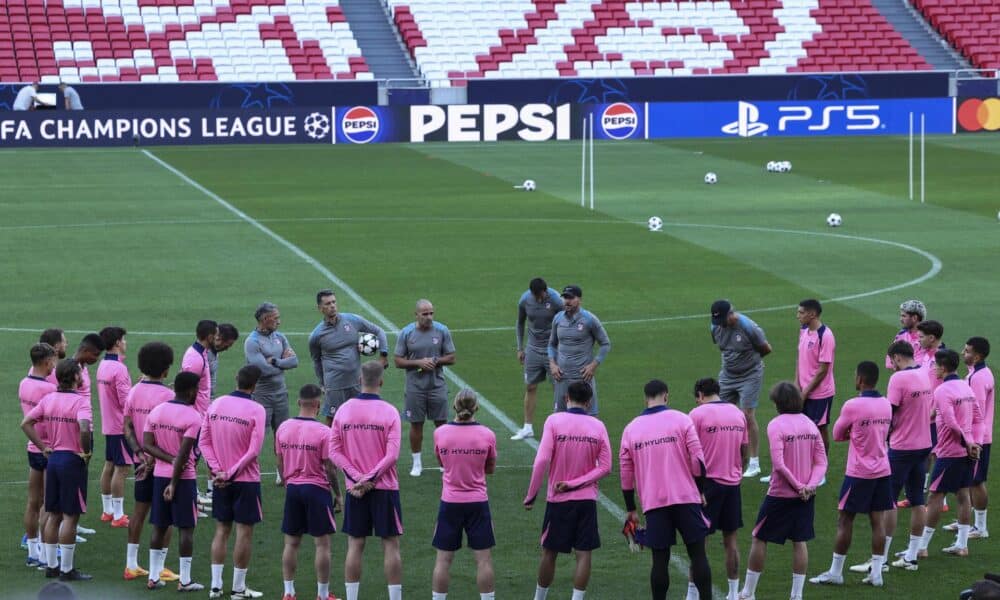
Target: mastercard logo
[{"x": 979, "y": 115}]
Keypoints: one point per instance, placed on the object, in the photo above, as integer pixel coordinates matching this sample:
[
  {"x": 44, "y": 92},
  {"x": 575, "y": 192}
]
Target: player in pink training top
[
  {"x": 87, "y": 353},
  {"x": 365, "y": 446},
  {"x": 231, "y": 440},
  {"x": 959, "y": 425},
  {"x": 980, "y": 379},
  {"x": 798, "y": 460},
  {"x": 864, "y": 421},
  {"x": 169, "y": 436},
  {"x": 467, "y": 451},
  {"x": 155, "y": 359},
  {"x": 32, "y": 389},
  {"x": 930, "y": 333},
  {"x": 911, "y": 313},
  {"x": 113, "y": 386},
  {"x": 302, "y": 445},
  {"x": 722, "y": 429},
  {"x": 56, "y": 338},
  {"x": 68, "y": 444},
  {"x": 661, "y": 458},
  {"x": 195, "y": 361},
  {"x": 909, "y": 393},
  {"x": 814, "y": 367},
  {"x": 575, "y": 453}
]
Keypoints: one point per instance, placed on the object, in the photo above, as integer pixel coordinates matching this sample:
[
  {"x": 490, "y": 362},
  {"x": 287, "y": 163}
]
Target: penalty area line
[{"x": 616, "y": 511}]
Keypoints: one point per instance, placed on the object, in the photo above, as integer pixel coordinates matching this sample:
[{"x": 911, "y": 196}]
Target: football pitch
[{"x": 155, "y": 239}]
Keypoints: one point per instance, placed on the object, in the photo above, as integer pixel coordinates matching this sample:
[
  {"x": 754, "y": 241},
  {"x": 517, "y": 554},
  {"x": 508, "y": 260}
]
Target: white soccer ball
[
  {"x": 367, "y": 344},
  {"x": 655, "y": 223},
  {"x": 834, "y": 220},
  {"x": 772, "y": 166},
  {"x": 786, "y": 166},
  {"x": 528, "y": 185},
  {"x": 711, "y": 178}
]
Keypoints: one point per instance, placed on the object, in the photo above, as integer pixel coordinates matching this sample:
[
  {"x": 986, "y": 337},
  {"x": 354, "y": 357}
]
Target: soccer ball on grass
[
  {"x": 655, "y": 223},
  {"x": 834, "y": 220},
  {"x": 711, "y": 178},
  {"x": 528, "y": 185}
]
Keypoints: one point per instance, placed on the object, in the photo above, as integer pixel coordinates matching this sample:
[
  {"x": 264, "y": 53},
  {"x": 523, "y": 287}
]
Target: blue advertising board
[
  {"x": 814, "y": 86},
  {"x": 215, "y": 95}
]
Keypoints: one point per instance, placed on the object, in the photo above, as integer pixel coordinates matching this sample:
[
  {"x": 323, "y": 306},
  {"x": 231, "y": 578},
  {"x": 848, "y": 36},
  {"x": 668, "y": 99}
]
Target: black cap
[
  {"x": 720, "y": 310},
  {"x": 572, "y": 291}
]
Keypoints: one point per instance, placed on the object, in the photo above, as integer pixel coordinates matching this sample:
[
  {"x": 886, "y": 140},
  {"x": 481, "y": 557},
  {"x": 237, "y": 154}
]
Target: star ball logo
[
  {"x": 317, "y": 126},
  {"x": 619, "y": 121},
  {"x": 360, "y": 125}
]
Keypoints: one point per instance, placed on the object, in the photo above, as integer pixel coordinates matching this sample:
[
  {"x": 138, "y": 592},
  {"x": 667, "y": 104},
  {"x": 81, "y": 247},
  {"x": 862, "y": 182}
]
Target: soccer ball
[
  {"x": 655, "y": 223},
  {"x": 367, "y": 344},
  {"x": 834, "y": 220},
  {"x": 772, "y": 166},
  {"x": 711, "y": 178},
  {"x": 786, "y": 166},
  {"x": 528, "y": 185}
]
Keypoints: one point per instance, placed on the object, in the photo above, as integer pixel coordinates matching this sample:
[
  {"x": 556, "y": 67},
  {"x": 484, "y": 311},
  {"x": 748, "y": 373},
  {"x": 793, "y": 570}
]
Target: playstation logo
[{"x": 747, "y": 123}]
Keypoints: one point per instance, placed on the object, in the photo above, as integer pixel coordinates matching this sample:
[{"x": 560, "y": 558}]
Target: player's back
[
  {"x": 463, "y": 449},
  {"x": 30, "y": 392},
  {"x": 795, "y": 444},
  {"x": 303, "y": 444},
  {"x": 62, "y": 413},
  {"x": 142, "y": 399},
  {"x": 234, "y": 425},
  {"x": 367, "y": 431},
  {"x": 576, "y": 442},
  {"x": 956, "y": 407},
  {"x": 170, "y": 423},
  {"x": 910, "y": 392},
  {"x": 869, "y": 418},
  {"x": 722, "y": 429},
  {"x": 113, "y": 384},
  {"x": 661, "y": 448}
]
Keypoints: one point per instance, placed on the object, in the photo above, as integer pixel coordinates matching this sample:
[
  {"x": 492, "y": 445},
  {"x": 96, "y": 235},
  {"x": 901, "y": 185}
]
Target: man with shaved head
[{"x": 424, "y": 347}]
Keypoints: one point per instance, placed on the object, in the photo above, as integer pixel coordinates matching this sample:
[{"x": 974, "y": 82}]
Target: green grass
[{"x": 94, "y": 237}]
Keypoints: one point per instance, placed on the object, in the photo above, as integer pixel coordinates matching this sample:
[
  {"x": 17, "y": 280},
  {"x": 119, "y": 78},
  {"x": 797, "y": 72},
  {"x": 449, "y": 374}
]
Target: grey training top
[
  {"x": 739, "y": 345},
  {"x": 213, "y": 368},
  {"x": 572, "y": 341},
  {"x": 415, "y": 343},
  {"x": 334, "y": 350},
  {"x": 74, "y": 98},
  {"x": 259, "y": 350},
  {"x": 539, "y": 317}
]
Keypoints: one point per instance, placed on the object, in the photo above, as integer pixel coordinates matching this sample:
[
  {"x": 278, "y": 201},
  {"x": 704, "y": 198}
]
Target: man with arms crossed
[
  {"x": 231, "y": 439},
  {"x": 333, "y": 347},
  {"x": 743, "y": 345},
  {"x": 302, "y": 445},
  {"x": 575, "y": 453},
  {"x": 537, "y": 307},
  {"x": 424, "y": 347},
  {"x": 571, "y": 348},
  {"x": 365, "y": 446}
]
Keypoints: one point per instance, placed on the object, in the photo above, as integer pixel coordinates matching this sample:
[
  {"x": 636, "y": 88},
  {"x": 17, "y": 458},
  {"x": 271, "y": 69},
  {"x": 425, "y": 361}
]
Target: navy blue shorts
[
  {"x": 239, "y": 501},
  {"x": 909, "y": 467},
  {"x": 144, "y": 489},
  {"x": 662, "y": 525},
  {"x": 781, "y": 519},
  {"x": 471, "y": 517},
  {"x": 377, "y": 511},
  {"x": 725, "y": 506},
  {"x": 979, "y": 471},
  {"x": 949, "y": 474},
  {"x": 66, "y": 484},
  {"x": 863, "y": 496},
  {"x": 117, "y": 450},
  {"x": 818, "y": 410},
  {"x": 308, "y": 509},
  {"x": 37, "y": 461},
  {"x": 182, "y": 511},
  {"x": 570, "y": 525}
]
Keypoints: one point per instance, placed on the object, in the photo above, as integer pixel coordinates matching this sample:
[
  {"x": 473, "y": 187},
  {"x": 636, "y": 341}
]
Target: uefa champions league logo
[{"x": 317, "y": 126}]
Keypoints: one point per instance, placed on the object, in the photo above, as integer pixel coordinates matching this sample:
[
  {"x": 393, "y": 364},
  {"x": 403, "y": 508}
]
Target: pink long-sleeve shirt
[
  {"x": 865, "y": 422},
  {"x": 798, "y": 457},
  {"x": 62, "y": 413},
  {"x": 660, "y": 456},
  {"x": 980, "y": 379},
  {"x": 574, "y": 449},
  {"x": 170, "y": 423},
  {"x": 722, "y": 429},
  {"x": 30, "y": 392},
  {"x": 195, "y": 361},
  {"x": 232, "y": 437},
  {"x": 303, "y": 445},
  {"x": 113, "y": 386},
  {"x": 141, "y": 400},
  {"x": 366, "y": 439},
  {"x": 910, "y": 393},
  {"x": 958, "y": 418},
  {"x": 463, "y": 449}
]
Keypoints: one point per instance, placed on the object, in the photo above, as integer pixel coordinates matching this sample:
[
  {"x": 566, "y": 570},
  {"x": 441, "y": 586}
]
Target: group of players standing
[{"x": 686, "y": 470}]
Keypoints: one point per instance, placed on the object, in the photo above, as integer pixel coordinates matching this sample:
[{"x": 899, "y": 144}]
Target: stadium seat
[{"x": 972, "y": 26}]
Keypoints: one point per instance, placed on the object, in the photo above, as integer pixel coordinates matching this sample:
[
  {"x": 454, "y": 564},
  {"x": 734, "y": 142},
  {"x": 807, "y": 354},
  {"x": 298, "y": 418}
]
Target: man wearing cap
[
  {"x": 571, "y": 347},
  {"x": 911, "y": 314},
  {"x": 743, "y": 345}
]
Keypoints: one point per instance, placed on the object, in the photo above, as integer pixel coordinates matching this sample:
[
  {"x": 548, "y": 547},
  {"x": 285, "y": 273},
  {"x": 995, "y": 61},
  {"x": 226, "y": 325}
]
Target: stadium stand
[
  {"x": 176, "y": 40},
  {"x": 971, "y": 26},
  {"x": 459, "y": 40}
]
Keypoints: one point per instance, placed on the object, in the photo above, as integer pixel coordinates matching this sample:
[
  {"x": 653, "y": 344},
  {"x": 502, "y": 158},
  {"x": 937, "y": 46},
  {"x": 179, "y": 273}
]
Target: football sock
[
  {"x": 132, "y": 556},
  {"x": 351, "y": 589},
  {"x": 395, "y": 592},
  {"x": 837, "y": 565},
  {"x": 798, "y": 581},
  {"x": 66, "y": 562},
  {"x": 217, "y": 577}
]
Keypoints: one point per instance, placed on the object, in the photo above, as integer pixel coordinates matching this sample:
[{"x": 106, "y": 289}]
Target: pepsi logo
[
  {"x": 619, "y": 121},
  {"x": 360, "y": 125}
]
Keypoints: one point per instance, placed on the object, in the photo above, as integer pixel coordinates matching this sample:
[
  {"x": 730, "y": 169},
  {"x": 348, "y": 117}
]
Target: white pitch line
[{"x": 616, "y": 511}]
